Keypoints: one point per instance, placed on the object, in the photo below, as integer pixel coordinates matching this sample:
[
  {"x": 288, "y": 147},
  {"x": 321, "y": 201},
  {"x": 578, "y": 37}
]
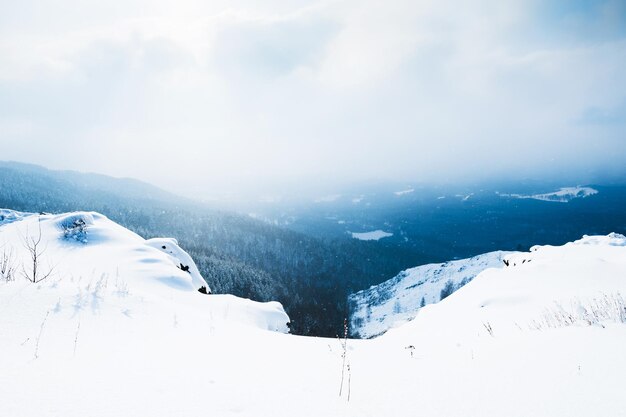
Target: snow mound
[
  {"x": 82, "y": 248},
  {"x": 179, "y": 258},
  {"x": 398, "y": 300}
]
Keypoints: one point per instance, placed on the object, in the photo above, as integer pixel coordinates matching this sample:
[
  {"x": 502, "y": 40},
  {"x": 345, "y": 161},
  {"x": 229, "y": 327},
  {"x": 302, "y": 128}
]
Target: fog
[{"x": 209, "y": 98}]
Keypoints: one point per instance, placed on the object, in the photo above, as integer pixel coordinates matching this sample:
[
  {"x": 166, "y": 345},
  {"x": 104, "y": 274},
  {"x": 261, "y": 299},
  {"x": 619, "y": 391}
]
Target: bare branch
[
  {"x": 7, "y": 265},
  {"x": 33, "y": 244}
]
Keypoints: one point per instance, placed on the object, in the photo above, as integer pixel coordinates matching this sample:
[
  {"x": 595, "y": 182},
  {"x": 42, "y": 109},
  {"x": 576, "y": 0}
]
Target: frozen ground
[{"x": 119, "y": 330}]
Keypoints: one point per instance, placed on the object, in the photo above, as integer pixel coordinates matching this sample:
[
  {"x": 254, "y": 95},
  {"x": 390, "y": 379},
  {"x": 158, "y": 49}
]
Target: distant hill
[
  {"x": 82, "y": 185},
  {"x": 440, "y": 223}
]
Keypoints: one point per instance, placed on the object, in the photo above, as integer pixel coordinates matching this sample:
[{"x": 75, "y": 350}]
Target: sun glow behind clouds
[{"x": 238, "y": 93}]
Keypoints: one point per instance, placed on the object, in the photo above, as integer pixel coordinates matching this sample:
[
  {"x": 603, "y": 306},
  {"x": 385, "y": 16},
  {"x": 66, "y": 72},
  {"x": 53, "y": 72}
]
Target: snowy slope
[
  {"x": 487, "y": 349},
  {"x": 460, "y": 368},
  {"x": 119, "y": 330},
  {"x": 393, "y": 302},
  {"x": 87, "y": 260}
]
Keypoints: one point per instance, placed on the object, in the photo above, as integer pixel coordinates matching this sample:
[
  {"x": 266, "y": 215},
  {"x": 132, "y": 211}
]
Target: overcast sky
[{"x": 201, "y": 96}]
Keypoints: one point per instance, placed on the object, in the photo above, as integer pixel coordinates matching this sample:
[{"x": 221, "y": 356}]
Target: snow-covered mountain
[
  {"x": 393, "y": 302},
  {"x": 118, "y": 328}
]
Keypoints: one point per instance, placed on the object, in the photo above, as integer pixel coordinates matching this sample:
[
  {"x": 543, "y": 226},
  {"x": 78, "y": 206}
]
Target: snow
[
  {"x": 179, "y": 258},
  {"x": 373, "y": 235},
  {"x": 404, "y": 192},
  {"x": 563, "y": 195},
  {"x": 10, "y": 216},
  {"x": 566, "y": 371},
  {"x": 113, "y": 261},
  {"x": 398, "y": 300},
  {"x": 119, "y": 330}
]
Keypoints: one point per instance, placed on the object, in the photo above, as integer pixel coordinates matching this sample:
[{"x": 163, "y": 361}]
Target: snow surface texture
[
  {"x": 373, "y": 235},
  {"x": 95, "y": 341},
  {"x": 564, "y": 195},
  {"x": 396, "y": 301}
]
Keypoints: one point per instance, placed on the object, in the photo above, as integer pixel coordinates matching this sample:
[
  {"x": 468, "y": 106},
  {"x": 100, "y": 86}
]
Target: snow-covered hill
[
  {"x": 542, "y": 337},
  {"x": 119, "y": 329},
  {"x": 90, "y": 265},
  {"x": 379, "y": 308}
]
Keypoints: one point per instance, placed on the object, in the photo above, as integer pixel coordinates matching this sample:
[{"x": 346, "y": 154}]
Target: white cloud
[{"x": 353, "y": 89}]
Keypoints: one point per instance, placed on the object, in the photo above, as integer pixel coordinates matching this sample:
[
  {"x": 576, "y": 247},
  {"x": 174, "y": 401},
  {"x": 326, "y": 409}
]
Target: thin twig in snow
[{"x": 43, "y": 323}]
